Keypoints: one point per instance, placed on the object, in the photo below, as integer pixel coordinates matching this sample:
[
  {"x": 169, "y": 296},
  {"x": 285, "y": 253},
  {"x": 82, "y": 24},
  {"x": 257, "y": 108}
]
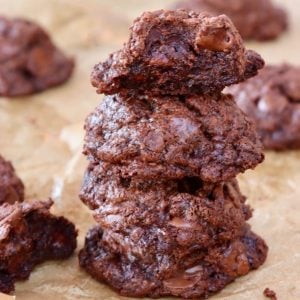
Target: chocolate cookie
[
  {"x": 272, "y": 100},
  {"x": 255, "y": 19},
  {"x": 29, "y": 61},
  {"x": 197, "y": 274},
  {"x": 176, "y": 52},
  {"x": 205, "y": 136},
  {"x": 165, "y": 227},
  {"x": 29, "y": 235},
  {"x": 11, "y": 186},
  {"x": 183, "y": 213}
]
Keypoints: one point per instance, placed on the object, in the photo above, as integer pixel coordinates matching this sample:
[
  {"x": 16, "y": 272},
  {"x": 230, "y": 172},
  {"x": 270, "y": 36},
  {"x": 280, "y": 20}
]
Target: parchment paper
[{"x": 43, "y": 136}]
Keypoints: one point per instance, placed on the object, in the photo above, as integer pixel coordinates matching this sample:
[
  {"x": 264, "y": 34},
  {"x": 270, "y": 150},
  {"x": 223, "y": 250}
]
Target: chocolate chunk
[
  {"x": 29, "y": 61},
  {"x": 272, "y": 100},
  {"x": 29, "y": 235},
  {"x": 177, "y": 53},
  {"x": 173, "y": 137},
  {"x": 255, "y": 19},
  {"x": 11, "y": 186}
]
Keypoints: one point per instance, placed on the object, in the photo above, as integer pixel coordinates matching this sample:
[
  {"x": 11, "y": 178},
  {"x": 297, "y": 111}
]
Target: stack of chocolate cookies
[{"x": 164, "y": 148}]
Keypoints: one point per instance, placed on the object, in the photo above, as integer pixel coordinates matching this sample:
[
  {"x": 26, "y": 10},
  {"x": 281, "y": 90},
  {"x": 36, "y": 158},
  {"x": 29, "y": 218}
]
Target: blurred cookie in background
[
  {"x": 30, "y": 235},
  {"x": 29, "y": 61},
  {"x": 255, "y": 20},
  {"x": 272, "y": 100}
]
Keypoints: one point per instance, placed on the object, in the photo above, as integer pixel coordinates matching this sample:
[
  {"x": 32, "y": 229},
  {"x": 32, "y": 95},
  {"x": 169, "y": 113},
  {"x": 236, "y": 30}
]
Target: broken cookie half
[
  {"x": 29, "y": 233},
  {"x": 177, "y": 53}
]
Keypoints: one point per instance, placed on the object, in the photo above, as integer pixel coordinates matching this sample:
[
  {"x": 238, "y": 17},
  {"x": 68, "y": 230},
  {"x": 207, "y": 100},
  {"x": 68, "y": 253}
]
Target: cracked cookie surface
[{"x": 173, "y": 137}]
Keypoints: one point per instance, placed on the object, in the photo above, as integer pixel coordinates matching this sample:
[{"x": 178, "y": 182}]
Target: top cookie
[
  {"x": 255, "y": 19},
  {"x": 29, "y": 61},
  {"x": 177, "y": 53},
  {"x": 29, "y": 235}
]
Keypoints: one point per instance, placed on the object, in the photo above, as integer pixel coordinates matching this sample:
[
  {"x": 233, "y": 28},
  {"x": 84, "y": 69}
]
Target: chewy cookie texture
[
  {"x": 255, "y": 19},
  {"x": 29, "y": 61},
  {"x": 164, "y": 148},
  {"x": 29, "y": 233},
  {"x": 173, "y": 136},
  {"x": 272, "y": 100},
  {"x": 196, "y": 54}
]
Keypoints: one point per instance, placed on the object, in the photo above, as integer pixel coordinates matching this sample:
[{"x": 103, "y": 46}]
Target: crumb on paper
[{"x": 268, "y": 293}]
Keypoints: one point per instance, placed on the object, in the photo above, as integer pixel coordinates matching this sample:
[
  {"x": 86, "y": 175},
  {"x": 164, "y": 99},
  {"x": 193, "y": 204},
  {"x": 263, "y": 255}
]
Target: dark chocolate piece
[
  {"x": 29, "y": 61},
  {"x": 255, "y": 19},
  {"x": 272, "y": 100},
  {"x": 270, "y": 294},
  {"x": 29, "y": 235},
  {"x": 11, "y": 186},
  {"x": 177, "y": 53}
]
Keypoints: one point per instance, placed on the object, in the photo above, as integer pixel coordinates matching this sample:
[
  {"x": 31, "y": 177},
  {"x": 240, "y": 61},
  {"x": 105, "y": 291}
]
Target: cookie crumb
[{"x": 268, "y": 293}]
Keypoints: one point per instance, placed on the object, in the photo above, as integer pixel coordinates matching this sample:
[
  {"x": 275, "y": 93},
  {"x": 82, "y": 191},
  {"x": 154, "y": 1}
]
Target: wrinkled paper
[{"x": 43, "y": 134}]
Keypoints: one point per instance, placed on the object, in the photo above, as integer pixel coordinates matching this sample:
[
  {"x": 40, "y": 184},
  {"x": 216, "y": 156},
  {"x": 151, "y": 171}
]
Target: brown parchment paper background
[{"x": 43, "y": 135}]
